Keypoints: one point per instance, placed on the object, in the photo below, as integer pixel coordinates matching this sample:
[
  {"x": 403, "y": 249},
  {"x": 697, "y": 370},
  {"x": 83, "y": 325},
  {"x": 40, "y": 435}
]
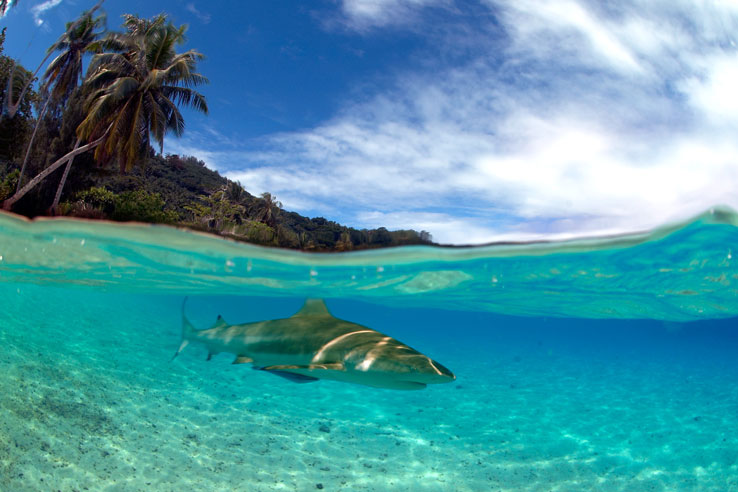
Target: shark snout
[
  {"x": 439, "y": 373},
  {"x": 444, "y": 372},
  {"x": 412, "y": 368},
  {"x": 425, "y": 370}
]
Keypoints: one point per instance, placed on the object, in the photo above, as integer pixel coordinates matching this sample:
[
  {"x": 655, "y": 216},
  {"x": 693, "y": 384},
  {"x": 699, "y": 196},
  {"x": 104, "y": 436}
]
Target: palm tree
[
  {"x": 81, "y": 37},
  {"x": 10, "y": 107},
  {"x": 137, "y": 91},
  {"x": 133, "y": 95},
  {"x": 64, "y": 73},
  {"x": 269, "y": 209},
  {"x": 235, "y": 192}
]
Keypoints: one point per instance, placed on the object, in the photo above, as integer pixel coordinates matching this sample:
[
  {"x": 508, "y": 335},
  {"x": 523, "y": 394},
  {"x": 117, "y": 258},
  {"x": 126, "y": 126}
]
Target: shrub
[
  {"x": 98, "y": 197},
  {"x": 8, "y": 184},
  {"x": 142, "y": 206}
]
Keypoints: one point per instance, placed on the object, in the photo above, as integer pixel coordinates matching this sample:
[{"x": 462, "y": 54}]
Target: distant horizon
[{"x": 478, "y": 121}]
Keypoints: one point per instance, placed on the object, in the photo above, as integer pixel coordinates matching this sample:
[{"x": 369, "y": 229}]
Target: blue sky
[{"x": 476, "y": 120}]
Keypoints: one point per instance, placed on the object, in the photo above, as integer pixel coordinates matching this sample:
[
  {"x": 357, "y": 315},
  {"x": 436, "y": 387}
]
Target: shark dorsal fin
[
  {"x": 220, "y": 322},
  {"x": 313, "y": 307}
]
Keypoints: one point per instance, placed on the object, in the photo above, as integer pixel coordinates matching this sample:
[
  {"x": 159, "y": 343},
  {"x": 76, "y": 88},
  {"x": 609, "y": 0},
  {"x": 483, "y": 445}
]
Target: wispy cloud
[
  {"x": 40, "y": 9},
  {"x": 203, "y": 16},
  {"x": 366, "y": 14},
  {"x": 572, "y": 117}
]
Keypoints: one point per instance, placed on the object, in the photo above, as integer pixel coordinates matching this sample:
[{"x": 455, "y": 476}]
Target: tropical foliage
[
  {"x": 99, "y": 130},
  {"x": 192, "y": 195},
  {"x": 132, "y": 93},
  {"x": 14, "y": 131},
  {"x": 135, "y": 91},
  {"x": 64, "y": 74}
]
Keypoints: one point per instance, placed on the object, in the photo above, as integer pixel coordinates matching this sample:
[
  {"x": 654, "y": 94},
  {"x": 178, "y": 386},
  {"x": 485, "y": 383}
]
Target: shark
[{"x": 313, "y": 344}]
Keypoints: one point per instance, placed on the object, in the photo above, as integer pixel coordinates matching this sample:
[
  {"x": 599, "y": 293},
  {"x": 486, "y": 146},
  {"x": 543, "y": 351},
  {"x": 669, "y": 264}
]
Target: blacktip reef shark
[{"x": 313, "y": 344}]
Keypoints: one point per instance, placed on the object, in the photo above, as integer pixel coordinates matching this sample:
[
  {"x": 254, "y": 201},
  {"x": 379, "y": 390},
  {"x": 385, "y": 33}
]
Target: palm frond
[
  {"x": 185, "y": 96},
  {"x": 110, "y": 61},
  {"x": 175, "y": 122},
  {"x": 157, "y": 117}
]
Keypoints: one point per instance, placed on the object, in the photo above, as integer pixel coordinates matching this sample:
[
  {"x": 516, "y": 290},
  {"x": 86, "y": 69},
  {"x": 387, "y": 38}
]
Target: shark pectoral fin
[
  {"x": 182, "y": 345},
  {"x": 242, "y": 359},
  {"x": 303, "y": 374},
  {"x": 294, "y": 377},
  {"x": 333, "y": 366}
]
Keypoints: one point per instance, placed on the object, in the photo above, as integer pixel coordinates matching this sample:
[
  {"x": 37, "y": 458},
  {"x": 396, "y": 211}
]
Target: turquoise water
[{"x": 601, "y": 364}]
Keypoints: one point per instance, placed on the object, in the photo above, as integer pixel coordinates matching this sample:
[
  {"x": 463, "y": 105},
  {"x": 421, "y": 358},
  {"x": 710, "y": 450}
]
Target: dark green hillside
[{"x": 183, "y": 191}]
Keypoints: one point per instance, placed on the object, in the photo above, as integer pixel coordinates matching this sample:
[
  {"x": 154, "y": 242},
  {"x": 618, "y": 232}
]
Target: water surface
[{"x": 594, "y": 364}]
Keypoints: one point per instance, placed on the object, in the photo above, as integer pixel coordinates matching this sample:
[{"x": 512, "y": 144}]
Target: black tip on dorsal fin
[
  {"x": 220, "y": 322},
  {"x": 313, "y": 307}
]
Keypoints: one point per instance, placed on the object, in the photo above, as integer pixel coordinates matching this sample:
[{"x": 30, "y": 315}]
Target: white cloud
[
  {"x": 578, "y": 121},
  {"x": 203, "y": 16},
  {"x": 365, "y": 14},
  {"x": 713, "y": 93},
  {"x": 568, "y": 24},
  {"x": 40, "y": 9}
]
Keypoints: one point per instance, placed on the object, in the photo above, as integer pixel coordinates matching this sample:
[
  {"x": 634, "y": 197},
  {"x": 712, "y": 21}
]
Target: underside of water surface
[{"x": 593, "y": 364}]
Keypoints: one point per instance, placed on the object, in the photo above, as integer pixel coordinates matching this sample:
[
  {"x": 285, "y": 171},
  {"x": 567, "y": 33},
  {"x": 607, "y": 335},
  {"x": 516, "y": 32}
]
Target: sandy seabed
[{"x": 91, "y": 401}]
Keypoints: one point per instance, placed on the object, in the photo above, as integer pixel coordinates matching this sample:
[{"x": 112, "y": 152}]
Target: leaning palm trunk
[
  {"x": 53, "y": 167},
  {"x": 59, "y": 189},
  {"x": 30, "y": 143}
]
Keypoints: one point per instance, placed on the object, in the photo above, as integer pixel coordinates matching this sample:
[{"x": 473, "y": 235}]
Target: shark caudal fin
[{"x": 187, "y": 331}]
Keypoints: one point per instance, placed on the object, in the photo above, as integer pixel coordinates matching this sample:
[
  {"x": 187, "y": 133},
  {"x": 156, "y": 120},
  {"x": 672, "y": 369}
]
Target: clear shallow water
[{"x": 576, "y": 366}]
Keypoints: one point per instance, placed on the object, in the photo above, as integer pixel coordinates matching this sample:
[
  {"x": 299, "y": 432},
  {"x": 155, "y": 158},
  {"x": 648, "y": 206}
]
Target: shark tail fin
[{"x": 187, "y": 330}]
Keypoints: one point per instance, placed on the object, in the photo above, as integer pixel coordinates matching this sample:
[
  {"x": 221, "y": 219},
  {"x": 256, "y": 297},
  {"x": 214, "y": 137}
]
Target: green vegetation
[
  {"x": 182, "y": 191},
  {"x": 86, "y": 150}
]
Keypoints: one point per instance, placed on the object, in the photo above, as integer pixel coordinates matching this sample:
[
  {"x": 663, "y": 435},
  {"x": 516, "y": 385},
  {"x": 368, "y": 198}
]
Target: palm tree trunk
[
  {"x": 59, "y": 189},
  {"x": 30, "y": 143},
  {"x": 53, "y": 167}
]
